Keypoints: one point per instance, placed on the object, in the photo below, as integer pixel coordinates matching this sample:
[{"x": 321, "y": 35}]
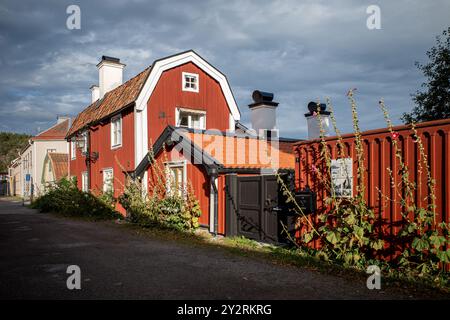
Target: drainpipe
[
  {"x": 214, "y": 197},
  {"x": 88, "y": 157}
]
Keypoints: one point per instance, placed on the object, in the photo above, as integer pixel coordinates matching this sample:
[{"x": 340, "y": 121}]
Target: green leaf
[
  {"x": 307, "y": 237},
  {"x": 358, "y": 232},
  {"x": 378, "y": 244},
  {"x": 411, "y": 228},
  {"x": 420, "y": 244},
  {"x": 333, "y": 237},
  {"x": 437, "y": 241},
  {"x": 350, "y": 219},
  {"x": 444, "y": 256}
]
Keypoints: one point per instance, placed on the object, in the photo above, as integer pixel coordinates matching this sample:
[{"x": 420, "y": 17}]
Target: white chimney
[
  {"x": 95, "y": 91},
  {"x": 110, "y": 74},
  {"x": 317, "y": 117},
  {"x": 263, "y": 112},
  {"x": 60, "y": 119}
]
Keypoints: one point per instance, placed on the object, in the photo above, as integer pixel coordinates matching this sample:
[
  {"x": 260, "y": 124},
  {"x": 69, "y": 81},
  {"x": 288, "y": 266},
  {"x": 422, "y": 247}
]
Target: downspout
[
  {"x": 88, "y": 158},
  {"x": 214, "y": 197}
]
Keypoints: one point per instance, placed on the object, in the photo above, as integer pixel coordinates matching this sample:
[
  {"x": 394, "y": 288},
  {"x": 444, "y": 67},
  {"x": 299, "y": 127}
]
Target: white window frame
[
  {"x": 105, "y": 187},
  {"x": 118, "y": 144},
  {"x": 178, "y": 111},
  {"x": 197, "y": 79},
  {"x": 84, "y": 181},
  {"x": 73, "y": 149},
  {"x": 85, "y": 147},
  {"x": 176, "y": 164}
]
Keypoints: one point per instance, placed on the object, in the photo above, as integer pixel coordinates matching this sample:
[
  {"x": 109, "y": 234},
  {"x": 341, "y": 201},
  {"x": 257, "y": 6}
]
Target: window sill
[
  {"x": 190, "y": 90},
  {"x": 117, "y": 146},
  {"x": 190, "y": 128}
]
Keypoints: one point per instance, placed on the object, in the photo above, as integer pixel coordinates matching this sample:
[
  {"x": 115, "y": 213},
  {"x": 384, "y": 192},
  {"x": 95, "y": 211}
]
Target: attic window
[{"x": 190, "y": 82}]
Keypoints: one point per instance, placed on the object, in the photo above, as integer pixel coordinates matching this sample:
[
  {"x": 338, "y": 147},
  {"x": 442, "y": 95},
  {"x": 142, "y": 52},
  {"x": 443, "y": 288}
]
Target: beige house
[
  {"x": 55, "y": 167},
  {"x": 34, "y": 154},
  {"x": 15, "y": 178}
]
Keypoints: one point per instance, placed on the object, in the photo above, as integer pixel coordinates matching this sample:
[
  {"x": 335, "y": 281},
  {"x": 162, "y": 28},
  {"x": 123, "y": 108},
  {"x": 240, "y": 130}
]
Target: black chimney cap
[
  {"x": 262, "y": 98},
  {"x": 112, "y": 59},
  {"x": 312, "y": 107}
]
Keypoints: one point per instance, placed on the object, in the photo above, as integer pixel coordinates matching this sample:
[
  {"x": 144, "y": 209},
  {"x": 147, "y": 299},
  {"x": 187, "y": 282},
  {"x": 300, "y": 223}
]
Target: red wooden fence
[{"x": 379, "y": 156}]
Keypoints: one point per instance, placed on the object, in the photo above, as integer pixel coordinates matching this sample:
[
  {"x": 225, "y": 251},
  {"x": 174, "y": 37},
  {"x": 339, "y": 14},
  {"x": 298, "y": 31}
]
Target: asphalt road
[{"x": 117, "y": 263}]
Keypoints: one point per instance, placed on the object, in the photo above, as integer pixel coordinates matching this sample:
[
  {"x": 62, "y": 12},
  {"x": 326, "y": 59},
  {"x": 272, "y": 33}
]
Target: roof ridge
[
  {"x": 52, "y": 127},
  {"x": 122, "y": 85},
  {"x": 57, "y": 153},
  {"x": 115, "y": 99}
]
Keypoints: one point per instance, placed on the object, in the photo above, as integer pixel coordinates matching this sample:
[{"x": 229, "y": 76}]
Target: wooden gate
[{"x": 253, "y": 208}]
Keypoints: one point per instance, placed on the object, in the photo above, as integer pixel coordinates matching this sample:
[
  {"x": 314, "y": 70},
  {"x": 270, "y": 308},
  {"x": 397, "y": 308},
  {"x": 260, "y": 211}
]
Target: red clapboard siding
[
  {"x": 379, "y": 155},
  {"x": 169, "y": 95},
  {"x": 119, "y": 159}
]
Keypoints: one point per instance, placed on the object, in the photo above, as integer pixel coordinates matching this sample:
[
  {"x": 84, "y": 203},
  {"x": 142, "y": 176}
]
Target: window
[
  {"x": 191, "y": 118},
  {"x": 176, "y": 178},
  {"x": 84, "y": 181},
  {"x": 73, "y": 148},
  {"x": 85, "y": 143},
  {"x": 116, "y": 132},
  {"x": 190, "y": 82},
  {"x": 108, "y": 180}
]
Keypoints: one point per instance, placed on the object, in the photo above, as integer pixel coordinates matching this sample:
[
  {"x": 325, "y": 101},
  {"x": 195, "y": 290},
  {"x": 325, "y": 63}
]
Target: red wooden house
[{"x": 111, "y": 137}]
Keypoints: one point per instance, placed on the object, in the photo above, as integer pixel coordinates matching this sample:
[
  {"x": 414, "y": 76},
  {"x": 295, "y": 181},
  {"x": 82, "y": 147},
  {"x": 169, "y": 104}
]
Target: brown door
[{"x": 257, "y": 204}]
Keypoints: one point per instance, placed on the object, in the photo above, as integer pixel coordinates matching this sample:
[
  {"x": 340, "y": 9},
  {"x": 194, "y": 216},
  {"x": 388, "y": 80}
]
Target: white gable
[
  {"x": 140, "y": 120},
  {"x": 168, "y": 63}
]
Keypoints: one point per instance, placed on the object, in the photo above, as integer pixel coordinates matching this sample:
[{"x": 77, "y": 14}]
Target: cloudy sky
[{"x": 300, "y": 50}]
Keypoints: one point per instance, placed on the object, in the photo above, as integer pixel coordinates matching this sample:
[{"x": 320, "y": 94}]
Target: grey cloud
[{"x": 300, "y": 50}]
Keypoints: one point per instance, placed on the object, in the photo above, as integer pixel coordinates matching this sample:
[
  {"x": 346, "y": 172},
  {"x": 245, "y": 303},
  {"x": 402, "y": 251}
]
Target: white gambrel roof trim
[{"x": 173, "y": 61}]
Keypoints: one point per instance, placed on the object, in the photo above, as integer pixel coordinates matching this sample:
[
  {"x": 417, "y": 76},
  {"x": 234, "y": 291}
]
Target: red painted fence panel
[{"x": 379, "y": 156}]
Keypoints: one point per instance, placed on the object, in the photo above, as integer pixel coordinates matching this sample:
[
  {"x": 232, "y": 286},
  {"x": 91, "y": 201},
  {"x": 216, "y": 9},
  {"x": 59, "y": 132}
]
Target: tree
[
  {"x": 434, "y": 102},
  {"x": 10, "y": 145}
]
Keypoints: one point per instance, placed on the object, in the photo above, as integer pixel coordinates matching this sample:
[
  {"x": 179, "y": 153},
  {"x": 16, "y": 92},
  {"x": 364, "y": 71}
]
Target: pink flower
[
  {"x": 314, "y": 114},
  {"x": 394, "y": 135},
  {"x": 313, "y": 168}
]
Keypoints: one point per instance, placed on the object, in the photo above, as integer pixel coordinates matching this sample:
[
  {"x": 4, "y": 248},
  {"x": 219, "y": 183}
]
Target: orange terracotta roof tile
[
  {"x": 59, "y": 162},
  {"x": 244, "y": 152},
  {"x": 57, "y": 132},
  {"x": 112, "y": 102}
]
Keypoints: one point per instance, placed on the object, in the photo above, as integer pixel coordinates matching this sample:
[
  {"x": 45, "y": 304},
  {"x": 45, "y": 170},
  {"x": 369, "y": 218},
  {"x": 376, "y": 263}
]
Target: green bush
[
  {"x": 65, "y": 198},
  {"x": 169, "y": 211}
]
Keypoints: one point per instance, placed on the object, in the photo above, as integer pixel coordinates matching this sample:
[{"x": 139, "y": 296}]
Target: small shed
[{"x": 234, "y": 177}]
